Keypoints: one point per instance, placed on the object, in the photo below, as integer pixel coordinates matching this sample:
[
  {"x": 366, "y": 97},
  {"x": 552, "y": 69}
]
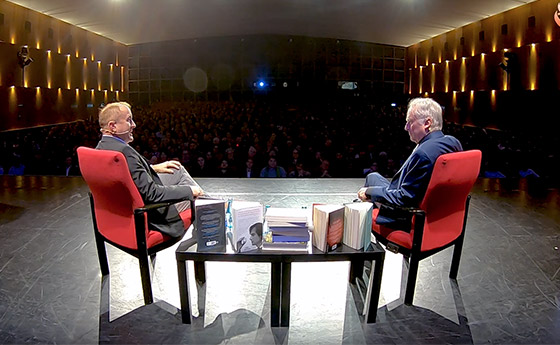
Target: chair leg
[
  {"x": 457, "y": 250},
  {"x": 146, "y": 279},
  {"x": 102, "y": 254},
  {"x": 411, "y": 280}
]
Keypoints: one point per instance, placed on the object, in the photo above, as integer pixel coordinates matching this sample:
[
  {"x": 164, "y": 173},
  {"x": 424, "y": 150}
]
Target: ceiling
[{"x": 396, "y": 22}]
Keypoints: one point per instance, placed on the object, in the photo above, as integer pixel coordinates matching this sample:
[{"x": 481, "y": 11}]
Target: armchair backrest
[
  {"x": 115, "y": 195},
  {"x": 453, "y": 176}
]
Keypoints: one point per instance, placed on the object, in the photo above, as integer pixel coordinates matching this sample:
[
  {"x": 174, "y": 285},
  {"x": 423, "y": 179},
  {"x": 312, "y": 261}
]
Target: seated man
[
  {"x": 408, "y": 186},
  {"x": 162, "y": 182}
]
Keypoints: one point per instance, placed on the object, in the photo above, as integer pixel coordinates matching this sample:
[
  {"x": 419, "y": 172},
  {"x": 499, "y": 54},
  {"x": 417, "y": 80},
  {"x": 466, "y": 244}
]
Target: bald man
[{"x": 162, "y": 182}]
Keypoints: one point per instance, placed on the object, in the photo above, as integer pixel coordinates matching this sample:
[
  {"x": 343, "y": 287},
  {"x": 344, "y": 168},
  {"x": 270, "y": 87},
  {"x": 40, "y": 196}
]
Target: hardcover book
[
  {"x": 210, "y": 224},
  {"x": 247, "y": 225},
  {"x": 357, "y": 224},
  {"x": 329, "y": 226}
]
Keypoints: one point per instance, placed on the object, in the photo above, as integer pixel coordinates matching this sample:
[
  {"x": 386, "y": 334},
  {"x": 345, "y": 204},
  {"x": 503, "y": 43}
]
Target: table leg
[
  {"x": 275, "y": 281},
  {"x": 374, "y": 289},
  {"x": 184, "y": 291},
  {"x": 356, "y": 270},
  {"x": 199, "y": 272},
  {"x": 285, "y": 296}
]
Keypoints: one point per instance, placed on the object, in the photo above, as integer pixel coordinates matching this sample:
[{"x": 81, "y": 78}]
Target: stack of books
[{"x": 286, "y": 229}]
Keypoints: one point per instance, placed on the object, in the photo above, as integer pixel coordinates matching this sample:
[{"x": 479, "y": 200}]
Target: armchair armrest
[
  {"x": 155, "y": 206},
  {"x": 393, "y": 207}
]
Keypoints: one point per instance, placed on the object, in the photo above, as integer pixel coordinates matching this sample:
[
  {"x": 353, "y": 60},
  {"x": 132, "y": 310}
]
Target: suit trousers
[{"x": 179, "y": 177}]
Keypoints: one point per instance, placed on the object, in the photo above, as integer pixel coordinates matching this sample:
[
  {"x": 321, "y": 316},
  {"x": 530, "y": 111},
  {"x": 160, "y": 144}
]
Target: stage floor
[{"x": 507, "y": 291}]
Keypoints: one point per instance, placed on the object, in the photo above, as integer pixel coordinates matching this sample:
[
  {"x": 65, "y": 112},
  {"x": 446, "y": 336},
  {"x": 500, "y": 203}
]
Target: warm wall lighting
[
  {"x": 68, "y": 71},
  {"x": 38, "y": 101},
  {"x": 420, "y": 81},
  {"x": 99, "y": 75},
  {"x": 38, "y": 45},
  {"x": 122, "y": 78},
  {"x": 92, "y": 57},
  {"x": 463, "y": 74},
  {"x": 117, "y": 95},
  {"x": 111, "y": 76},
  {"x": 13, "y": 99},
  {"x": 533, "y": 67},
  {"x": 59, "y": 49},
  {"x": 77, "y": 54},
  {"x": 446, "y": 76},
  {"x": 49, "y": 69},
  {"x": 13, "y": 40},
  {"x": 433, "y": 78},
  {"x": 84, "y": 73}
]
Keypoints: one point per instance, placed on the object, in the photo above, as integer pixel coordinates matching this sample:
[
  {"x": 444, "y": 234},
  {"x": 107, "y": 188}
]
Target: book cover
[
  {"x": 299, "y": 232},
  {"x": 247, "y": 225},
  {"x": 284, "y": 238},
  {"x": 357, "y": 224},
  {"x": 329, "y": 228},
  {"x": 285, "y": 243},
  {"x": 210, "y": 224}
]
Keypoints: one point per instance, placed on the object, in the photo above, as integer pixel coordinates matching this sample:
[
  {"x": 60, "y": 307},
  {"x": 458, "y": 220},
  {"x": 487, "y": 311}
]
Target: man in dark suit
[
  {"x": 408, "y": 186},
  {"x": 162, "y": 182}
]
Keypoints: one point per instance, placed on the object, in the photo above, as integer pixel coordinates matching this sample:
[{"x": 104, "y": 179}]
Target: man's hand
[
  {"x": 362, "y": 194},
  {"x": 197, "y": 191},
  {"x": 168, "y": 167}
]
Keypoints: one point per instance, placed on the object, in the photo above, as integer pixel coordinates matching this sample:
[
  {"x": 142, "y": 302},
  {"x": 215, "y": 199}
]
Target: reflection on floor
[{"x": 51, "y": 290}]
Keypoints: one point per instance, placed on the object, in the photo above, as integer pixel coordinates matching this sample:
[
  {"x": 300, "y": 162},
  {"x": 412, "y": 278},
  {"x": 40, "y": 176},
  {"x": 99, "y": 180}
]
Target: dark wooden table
[{"x": 281, "y": 274}]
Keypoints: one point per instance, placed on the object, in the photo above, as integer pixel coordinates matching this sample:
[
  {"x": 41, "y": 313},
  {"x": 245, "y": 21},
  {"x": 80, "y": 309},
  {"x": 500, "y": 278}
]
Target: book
[
  {"x": 284, "y": 238},
  {"x": 247, "y": 225},
  {"x": 285, "y": 243},
  {"x": 286, "y": 246},
  {"x": 329, "y": 227},
  {"x": 288, "y": 217},
  {"x": 210, "y": 224},
  {"x": 357, "y": 224}
]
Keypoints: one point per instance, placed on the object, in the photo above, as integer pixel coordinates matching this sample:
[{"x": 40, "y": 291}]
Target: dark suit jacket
[
  {"x": 151, "y": 188},
  {"x": 408, "y": 186}
]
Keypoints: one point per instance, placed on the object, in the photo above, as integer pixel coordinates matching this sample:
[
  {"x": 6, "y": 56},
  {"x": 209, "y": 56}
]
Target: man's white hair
[{"x": 423, "y": 108}]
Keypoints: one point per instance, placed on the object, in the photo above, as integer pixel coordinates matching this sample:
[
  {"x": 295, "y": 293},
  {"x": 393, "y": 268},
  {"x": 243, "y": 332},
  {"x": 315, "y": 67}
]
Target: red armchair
[
  {"x": 119, "y": 214},
  {"x": 440, "y": 220}
]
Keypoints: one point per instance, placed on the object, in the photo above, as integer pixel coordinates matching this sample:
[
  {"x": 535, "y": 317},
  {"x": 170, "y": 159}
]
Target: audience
[{"x": 243, "y": 139}]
